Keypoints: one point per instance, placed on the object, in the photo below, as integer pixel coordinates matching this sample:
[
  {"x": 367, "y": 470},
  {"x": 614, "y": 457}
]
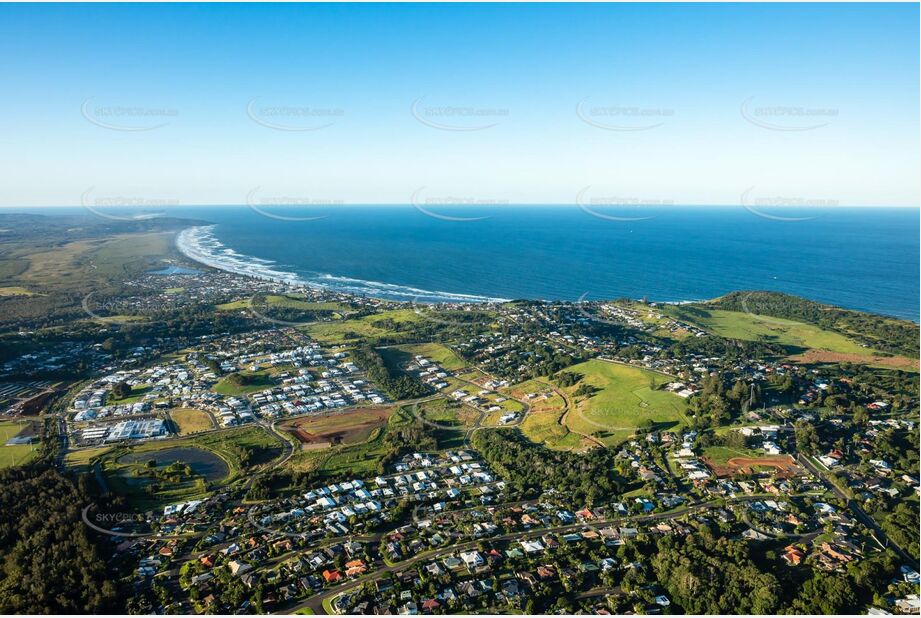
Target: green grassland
[
  {"x": 752, "y": 327},
  {"x": 719, "y": 455},
  {"x": 289, "y": 301},
  {"x": 129, "y": 254},
  {"x": 81, "y": 461},
  {"x": 58, "y": 260},
  {"x": 17, "y": 454},
  {"x": 622, "y": 402},
  {"x": 446, "y": 412},
  {"x": 448, "y": 419},
  {"x": 543, "y": 423},
  {"x": 260, "y": 381},
  {"x": 137, "y": 393},
  {"x": 15, "y": 290},
  {"x": 189, "y": 421},
  {"x": 369, "y": 327}
]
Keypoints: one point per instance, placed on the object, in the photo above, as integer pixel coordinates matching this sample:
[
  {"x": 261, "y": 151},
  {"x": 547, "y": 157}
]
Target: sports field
[{"x": 17, "y": 454}]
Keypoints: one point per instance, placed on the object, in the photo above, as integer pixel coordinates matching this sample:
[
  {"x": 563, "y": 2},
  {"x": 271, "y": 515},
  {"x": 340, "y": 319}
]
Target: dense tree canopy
[{"x": 50, "y": 564}]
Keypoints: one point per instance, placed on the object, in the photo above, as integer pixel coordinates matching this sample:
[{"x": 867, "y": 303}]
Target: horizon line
[{"x": 458, "y": 205}]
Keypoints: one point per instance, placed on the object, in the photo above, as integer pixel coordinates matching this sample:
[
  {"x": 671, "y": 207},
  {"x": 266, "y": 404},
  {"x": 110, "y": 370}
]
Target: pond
[
  {"x": 174, "y": 270},
  {"x": 202, "y": 462}
]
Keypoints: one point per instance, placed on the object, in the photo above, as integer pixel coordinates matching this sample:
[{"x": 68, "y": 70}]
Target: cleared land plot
[
  {"x": 782, "y": 465},
  {"x": 819, "y": 357},
  {"x": 337, "y": 428},
  {"x": 622, "y": 402},
  {"x": 16, "y": 454},
  {"x": 350, "y": 461},
  {"x": 753, "y": 327},
  {"x": 188, "y": 420}
]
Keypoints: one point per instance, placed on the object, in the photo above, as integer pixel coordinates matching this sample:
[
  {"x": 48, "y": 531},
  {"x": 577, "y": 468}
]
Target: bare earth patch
[
  {"x": 826, "y": 356},
  {"x": 783, "y": 464},
  {"x": 323, "y": 431}
]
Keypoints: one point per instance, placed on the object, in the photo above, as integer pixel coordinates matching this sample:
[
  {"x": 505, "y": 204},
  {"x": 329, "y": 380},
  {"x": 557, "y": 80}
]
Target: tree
[
  {"x": 121, "y": 390},
  {"x": 807, "y": 439},
  {"x": 826, "y": 594}
]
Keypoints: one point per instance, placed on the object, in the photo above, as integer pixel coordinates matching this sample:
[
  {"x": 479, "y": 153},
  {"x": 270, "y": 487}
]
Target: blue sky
[{"x": 674, "y": 103}]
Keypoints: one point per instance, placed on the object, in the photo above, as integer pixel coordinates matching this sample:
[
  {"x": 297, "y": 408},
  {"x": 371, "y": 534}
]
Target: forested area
[
  {"x": 528, "y": 467},
  {"x": 707, "y": 574},
  {"x": 729, "y": 350},
  {"x": 718, "y": 403},
  {"x": 396, "y": 385},
  {"x": 51, "y": 564}
]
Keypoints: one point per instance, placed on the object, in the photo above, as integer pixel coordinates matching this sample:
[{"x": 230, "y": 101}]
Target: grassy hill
[
  {"x": 625, "y": 398},
  {"x": 796, "y": 335}
]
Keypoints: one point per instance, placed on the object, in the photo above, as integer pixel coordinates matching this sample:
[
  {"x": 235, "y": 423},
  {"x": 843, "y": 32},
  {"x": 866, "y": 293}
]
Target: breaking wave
[{"x": 201, "y": 245}]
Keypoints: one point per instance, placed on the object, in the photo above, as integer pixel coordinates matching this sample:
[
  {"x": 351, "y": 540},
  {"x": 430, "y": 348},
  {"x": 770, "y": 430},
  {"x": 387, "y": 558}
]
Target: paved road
[
  {"x": 858, "y": 512},
  {"x": 315, "y": 603}
]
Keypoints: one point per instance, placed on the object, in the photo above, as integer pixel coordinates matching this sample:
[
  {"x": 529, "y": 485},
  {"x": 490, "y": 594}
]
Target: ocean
[{"x": 859, "y": 258}]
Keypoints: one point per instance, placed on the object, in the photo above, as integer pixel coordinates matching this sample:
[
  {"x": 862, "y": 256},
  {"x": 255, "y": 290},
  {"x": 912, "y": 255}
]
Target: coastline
[{"x": 199, "y": 244}]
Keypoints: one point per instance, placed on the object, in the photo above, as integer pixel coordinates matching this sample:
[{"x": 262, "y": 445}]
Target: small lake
[
  {"x": 202, "y": 462},
  {"x": 174, "y": 270}
]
